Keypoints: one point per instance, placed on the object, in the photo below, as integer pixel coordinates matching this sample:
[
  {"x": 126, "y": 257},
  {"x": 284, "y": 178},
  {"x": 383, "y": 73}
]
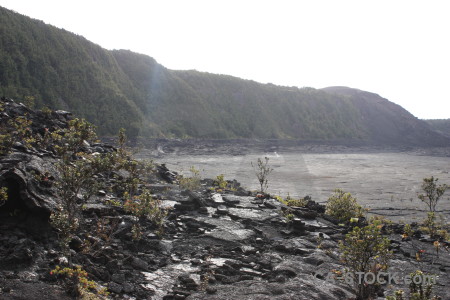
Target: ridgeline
[{"x": 119, "y": 88}]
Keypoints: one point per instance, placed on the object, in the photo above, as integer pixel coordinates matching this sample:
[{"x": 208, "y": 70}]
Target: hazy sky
[{"x": 397, "y": 49}]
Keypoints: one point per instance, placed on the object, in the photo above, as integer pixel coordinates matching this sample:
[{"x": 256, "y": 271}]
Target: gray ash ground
[{"x": 384, "y": 179}]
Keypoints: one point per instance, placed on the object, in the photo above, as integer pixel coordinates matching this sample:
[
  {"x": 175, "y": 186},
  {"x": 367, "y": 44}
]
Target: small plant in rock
[
  {"x": 22, "y": 132},
  {"x": 407, "y": 232},
  {"x": 100, "y": 236},
  {"x": 146, "y": 206},
  {"x": 16, "y": 130},
  {"x": 289, "y": 201},
  {"x": 418, "y": 289},
  {"x": 430, "y": 225},
  {"x": 432, "y": 192},
  {"x": 3, "y": 195},
  {"x": 69, "y": 140},
  {"x": 288, "y": 215},
  {"x": 29, "y": 101},
  {"x": 78, "y": 285},
  {"x": 136, "y": 232},
  {"x": 208, "y": 273},
  {"x": 65, "y": 226},
  {"x": 192, "y": 182},
  {"x": 6, "y": 142},
  {"x": 220, "y": 182},
  {"x": 262, "y": 172},
  {"x": 46, "y": 111},
  {"x": 343, "y": 206},
  {"x": 365, "y": 250}
]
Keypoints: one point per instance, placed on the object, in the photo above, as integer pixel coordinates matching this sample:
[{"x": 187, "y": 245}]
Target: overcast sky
[{"x": 397, "y": 49}]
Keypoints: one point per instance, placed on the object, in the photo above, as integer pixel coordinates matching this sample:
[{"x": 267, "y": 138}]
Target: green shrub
[
  {"x": 433, "y": 192},
  {"x": 146, "y": 206},
  {"x": 65, "y": 227},
  {"x": 3, "y": 195},
  {"x": 220, "y": 182},
  {"x": 417, "y": 291},
  {"x": 192, "y": 182},
  {"x": 365, "y": 250},
  {"x": 77, "y": 284},
  {"x": 289, "y": 201},
  {"x": 6, "y": 142},
  {"x": 343, "y": 206},
  {"x": 29, "y": 101}
]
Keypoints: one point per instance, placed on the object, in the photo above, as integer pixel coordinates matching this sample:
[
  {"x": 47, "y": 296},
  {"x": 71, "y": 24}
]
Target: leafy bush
[
  {"x": 191, "y": 183},
  {"x": 433, "y": 192},
  {"x": 65, "y": 227},
  {"x": 16, "y": 130},
  {"x": 343, "y": 206},
  {"x": 289, "y": 201},
  {"x": 3, "y": 195},
  {"x": 220, "y": 182},
  {"x": 365, "y": 250},
  {"x": 77, "y": 283},
  {"x": 146, "y": 206},
  {"x": 70, "y": 139}
]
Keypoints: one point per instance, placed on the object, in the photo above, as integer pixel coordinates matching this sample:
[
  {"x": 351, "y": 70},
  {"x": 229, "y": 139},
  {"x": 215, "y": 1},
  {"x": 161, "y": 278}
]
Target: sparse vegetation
[
  {"x": 3, "y": 195},
  {"x": 365, "y": 250},
  {"x": 343, "y": 206},
  {"x": 417, "y": 291},
  {"x": 433, "y": 192},
  {"x": 289, "y": 201},
  {"x": 262, "y": 172},
  {"x": 288, "y": 215},
  {"x": 146, "y": 206},
  {"x": 77, "y": 284},
  {"x": 192, "y": 182},
  {"x": 220, "y": 182}
]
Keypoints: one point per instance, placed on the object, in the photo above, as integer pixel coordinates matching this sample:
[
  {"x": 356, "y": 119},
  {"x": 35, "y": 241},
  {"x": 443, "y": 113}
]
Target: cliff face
[
  {"x": 115, "y": 89},
  {"x": 389, "y": 123}
]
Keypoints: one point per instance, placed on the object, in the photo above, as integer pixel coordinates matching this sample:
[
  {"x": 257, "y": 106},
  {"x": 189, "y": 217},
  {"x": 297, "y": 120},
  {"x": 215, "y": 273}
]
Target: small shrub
[
  {"x": 407, "y": 231},
  {"x": 3, "y": 195},
  {"x": 72, "y": 138},
  {"x": 29, "y": 101},
  {"x": 46, "y": 111},
  {"x": 365, "y": 250},
  {"x": 220, "y": 182},
  {"x": 146, "y": 206},
  {"x": 430, "y": 225},
  {"x": 21, "y": 131},
  {"x": 288, "y": 215},
  {"x": 417, "y": 291},
  {"x": 262, "y": 172},
  {"x": 77, "y": 283},
  {"x": 289, "y": 201},
  {"x": 65, "y": 227},
  {"x": 6, "y": 143},
  {"x": 343, "y": 206},
  {"x": 192, "y": 182},
  {"x": 433, "y": 192}
]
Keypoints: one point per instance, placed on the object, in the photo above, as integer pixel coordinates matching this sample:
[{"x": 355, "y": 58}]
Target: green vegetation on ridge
[{"x": 121, "y": 89}]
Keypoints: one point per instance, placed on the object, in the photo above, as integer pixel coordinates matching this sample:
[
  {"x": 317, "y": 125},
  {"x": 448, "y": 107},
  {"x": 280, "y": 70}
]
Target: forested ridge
[{"x": 120, "y": 88}]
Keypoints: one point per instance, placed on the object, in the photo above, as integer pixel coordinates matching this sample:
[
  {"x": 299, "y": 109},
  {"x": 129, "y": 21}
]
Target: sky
[{"x": 397, "y": 49}]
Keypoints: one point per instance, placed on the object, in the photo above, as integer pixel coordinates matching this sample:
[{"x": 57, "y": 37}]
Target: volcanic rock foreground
[{"x": 217, "y": 244}]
